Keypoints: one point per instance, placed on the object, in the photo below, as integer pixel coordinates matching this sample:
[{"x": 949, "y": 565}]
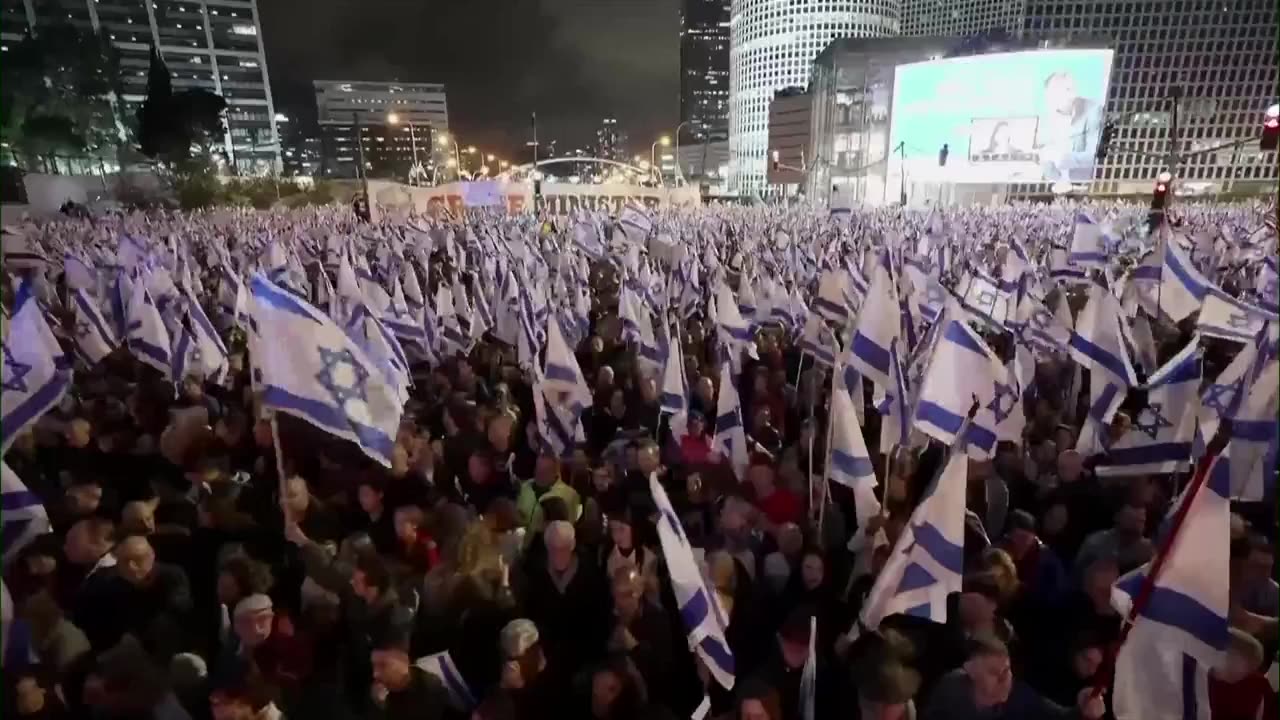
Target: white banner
[{"x": 554, "y": 199}]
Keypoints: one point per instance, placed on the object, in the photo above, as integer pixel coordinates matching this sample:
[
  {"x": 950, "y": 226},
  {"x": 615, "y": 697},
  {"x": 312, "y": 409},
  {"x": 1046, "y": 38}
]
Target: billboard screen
[{"x": 1031, "y": 116}]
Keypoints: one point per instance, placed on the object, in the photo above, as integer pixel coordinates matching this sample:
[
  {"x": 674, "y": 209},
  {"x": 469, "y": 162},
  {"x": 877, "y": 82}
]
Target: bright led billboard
[{"x": 1032, "y": 116}]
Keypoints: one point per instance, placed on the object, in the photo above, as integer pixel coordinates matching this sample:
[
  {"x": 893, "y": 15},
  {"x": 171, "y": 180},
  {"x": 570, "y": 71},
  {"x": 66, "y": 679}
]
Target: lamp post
[
  {"x": 664, "y": 141},
  {"x": 679, "y": 172},
  {"x": 445, "y": 140},
  {"x": 394, "y": 119}
]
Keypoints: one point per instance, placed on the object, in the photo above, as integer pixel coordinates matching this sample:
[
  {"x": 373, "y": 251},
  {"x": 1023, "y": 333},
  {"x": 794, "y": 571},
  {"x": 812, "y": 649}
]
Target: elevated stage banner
[{"x": 514, "y": 198}]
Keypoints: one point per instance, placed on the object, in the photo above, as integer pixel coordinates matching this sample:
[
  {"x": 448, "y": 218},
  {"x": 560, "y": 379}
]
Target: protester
[{"x": 308, "y": 464}]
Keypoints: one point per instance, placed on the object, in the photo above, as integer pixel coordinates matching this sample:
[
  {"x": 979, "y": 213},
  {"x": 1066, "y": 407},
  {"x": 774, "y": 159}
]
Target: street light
[
  {"x": 679, "y": 172},
  {"x": 664, "y": 141},
  {"x": 394, "y": 119}
]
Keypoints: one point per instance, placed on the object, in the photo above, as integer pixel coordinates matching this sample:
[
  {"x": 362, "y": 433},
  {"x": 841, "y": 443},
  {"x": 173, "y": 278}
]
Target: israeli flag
[
  {"x": 1161, "y": 670},
  {"x": 734, "y": 331},
  {"x": 705, "y": 621},
  {"x": 1087, "y": 248},
  {"x": 877, "y": 335},
  {"x": 830, "y": 300},
  {"x": 313, "y": 370},
  {"x": 818, "y": 341},
  {"x": 1182, "y": 287},
  {"x": 146, "y": 334},
  {"x": 731, "y": 437},
  {"x": 927, "y": 563},
  {"x": 1255, "y": 433},
  {"x": 34, "y": 372},
  {"x": 1062, "y": 270},
  {"x": 1223, "y": 316},
  {"x": 962, "y": 372},
  {"x": 1159, "y": 441},
  {"x": 674, "y": 400},
  {"x": 441, "y": 666},
  {"x": 1039, "y": 328},
  {"x": 24, "y": 517},
  {"x": 95, "y": 339},
  {"x": 1098, "y": 344}
]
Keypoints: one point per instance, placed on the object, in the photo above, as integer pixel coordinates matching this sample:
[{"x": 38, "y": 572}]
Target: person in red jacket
[
  {"x": 414, "y": 545},
  {"x": 1237, "y": 689}
]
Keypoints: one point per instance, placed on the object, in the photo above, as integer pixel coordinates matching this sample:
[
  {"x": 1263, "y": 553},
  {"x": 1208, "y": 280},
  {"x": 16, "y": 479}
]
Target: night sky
[{"x": 573, "y": 61}]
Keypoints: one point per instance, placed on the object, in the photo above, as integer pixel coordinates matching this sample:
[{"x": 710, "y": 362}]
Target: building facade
[
  {"x": 1217, "y": 58},
  {"x": 704, "y": 69},
  {"x": 772, "y": 46},
  {"x": 215, "y": 45},
  {"x": 790, "y": 116},
  {"x": 403, "y": 129},
  {"x": 959, "y": 18},
  {"x": 611, "y": 141}
]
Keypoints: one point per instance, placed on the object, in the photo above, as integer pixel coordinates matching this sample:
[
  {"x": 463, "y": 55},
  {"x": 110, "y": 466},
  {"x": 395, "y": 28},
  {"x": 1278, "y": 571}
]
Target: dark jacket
[
  {"x": 952, "y": 699},
  {"x": 424, "y": 698}
]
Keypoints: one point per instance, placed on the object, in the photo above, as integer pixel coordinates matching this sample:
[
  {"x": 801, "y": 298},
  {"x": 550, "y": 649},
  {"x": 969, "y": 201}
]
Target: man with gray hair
[{"x": 568, "y": 600}]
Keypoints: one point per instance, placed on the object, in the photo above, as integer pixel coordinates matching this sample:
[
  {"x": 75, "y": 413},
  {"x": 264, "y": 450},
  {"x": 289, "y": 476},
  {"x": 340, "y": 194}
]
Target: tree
[
  {"x": 171, "y": 124},
  {"x": 60, "y": 94}
]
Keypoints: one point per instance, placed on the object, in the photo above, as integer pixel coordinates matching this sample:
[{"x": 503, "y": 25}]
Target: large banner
[{"x": 514, "y": 198}]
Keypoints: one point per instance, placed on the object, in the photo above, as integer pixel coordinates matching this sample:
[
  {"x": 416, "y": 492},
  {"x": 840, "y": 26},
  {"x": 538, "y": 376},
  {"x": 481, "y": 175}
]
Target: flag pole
[
  {"x": 1153, "y": 573},
  {"x": 283, "y": 482}
]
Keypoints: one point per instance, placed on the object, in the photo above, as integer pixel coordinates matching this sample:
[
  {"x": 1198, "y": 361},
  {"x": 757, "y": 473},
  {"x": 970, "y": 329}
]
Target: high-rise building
[
  {"x": 1218, "y": 57},
  {"x": 611, "y": 142},
  {"x": 704, "y": 69},
  {"x": 952, "y": 18},
  {"x": 772, "y": 46},
  {"x": 211, "y": 44},
  {"x": 402, "y": 125}
]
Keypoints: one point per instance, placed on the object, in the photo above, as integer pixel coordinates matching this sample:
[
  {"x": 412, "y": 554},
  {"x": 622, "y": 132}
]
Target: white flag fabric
[
  {"x": 879, "y": 327},
  {"x": 23, "y": 518},
  {"x": 809, "y": 675},
  {"x": 1161, "y": 671},
  {"x": 927, "y": 563},
  {"x": 34, "y": 372},
  {"x": 1254, "y": 431},
  {"x": 1159, "y": 439},
  {"x": 674, "y": 398},
  {"x": 146, "y": 335},
  {"x": 1087, "y": 249},
  {"x": 313, "y": 370},
  {"x": 850, "y": 462},
  {"x": 1223, "y": 316},
  {"x": 441, "y": 666},
  {"x": 1182, "y": 287},
  {"x": 95, "y": 338},
  {"x": 705, "y": 621},
  {"x": 731, "y": 436},
  {"x": 965, "y": 371}
]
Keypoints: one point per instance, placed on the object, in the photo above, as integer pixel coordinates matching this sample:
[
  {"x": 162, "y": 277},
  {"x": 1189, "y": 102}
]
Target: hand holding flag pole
[{"x": 1148, "y": 585}]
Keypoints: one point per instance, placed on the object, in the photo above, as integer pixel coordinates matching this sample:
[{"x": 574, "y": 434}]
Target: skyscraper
[
  {"x": 215, "y": 45},
  {"x": 611, "y": 143},
  {"x": 948, "y": 18},
  {"x": 704, "y": 69},
  {"x": 772, "y": 46},
  {"x": 1218, "y": 57}
]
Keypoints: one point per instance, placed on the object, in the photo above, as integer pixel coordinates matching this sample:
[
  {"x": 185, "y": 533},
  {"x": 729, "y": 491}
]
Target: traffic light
[
  {"x": 1160, "y": 195},
  {"x": 1104, "y": 141},
  {"x": 775, "y": 160},
  {"x": 1271, "y": 129},
  {"x": 942, "y": 155}
]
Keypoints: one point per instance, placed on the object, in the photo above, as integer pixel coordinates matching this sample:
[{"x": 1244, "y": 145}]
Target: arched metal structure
[{"x": 530, "y": 167}]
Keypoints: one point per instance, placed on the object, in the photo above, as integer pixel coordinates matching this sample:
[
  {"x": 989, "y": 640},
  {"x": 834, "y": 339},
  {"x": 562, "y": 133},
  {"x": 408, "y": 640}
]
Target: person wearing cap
[{"x": 984, "y": 688}]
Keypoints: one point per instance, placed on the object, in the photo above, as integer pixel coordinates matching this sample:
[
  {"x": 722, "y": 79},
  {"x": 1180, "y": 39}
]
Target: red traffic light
[
  {"x": 1161, "y": 187},
  {"x": 1272, "y": 123}
]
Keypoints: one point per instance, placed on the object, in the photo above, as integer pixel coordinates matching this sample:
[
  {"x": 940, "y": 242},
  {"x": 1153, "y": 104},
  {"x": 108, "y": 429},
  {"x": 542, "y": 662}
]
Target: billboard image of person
[
  {"x": 1026, "y": 117},
  {"x": 1068, "y": 131}
]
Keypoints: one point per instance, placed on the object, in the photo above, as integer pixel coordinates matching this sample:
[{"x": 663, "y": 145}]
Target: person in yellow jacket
[{"x": 546, "y": 482}]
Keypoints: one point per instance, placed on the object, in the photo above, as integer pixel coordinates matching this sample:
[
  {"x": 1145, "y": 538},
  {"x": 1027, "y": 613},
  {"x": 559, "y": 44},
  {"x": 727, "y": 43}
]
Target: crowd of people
[{"x": 208, "y": 558}]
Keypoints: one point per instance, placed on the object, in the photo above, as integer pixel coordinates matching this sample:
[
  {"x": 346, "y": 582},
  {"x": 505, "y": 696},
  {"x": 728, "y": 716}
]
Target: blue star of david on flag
[
  {"x": 344, "y": 378},
  {"x": 83, "y": 329},
  {"x": 13, "y": 379},
  {"x": 1001, "y": 406},
  {"x": 1219, "y": 398},
  {"x": 1150, "y": 421}
]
